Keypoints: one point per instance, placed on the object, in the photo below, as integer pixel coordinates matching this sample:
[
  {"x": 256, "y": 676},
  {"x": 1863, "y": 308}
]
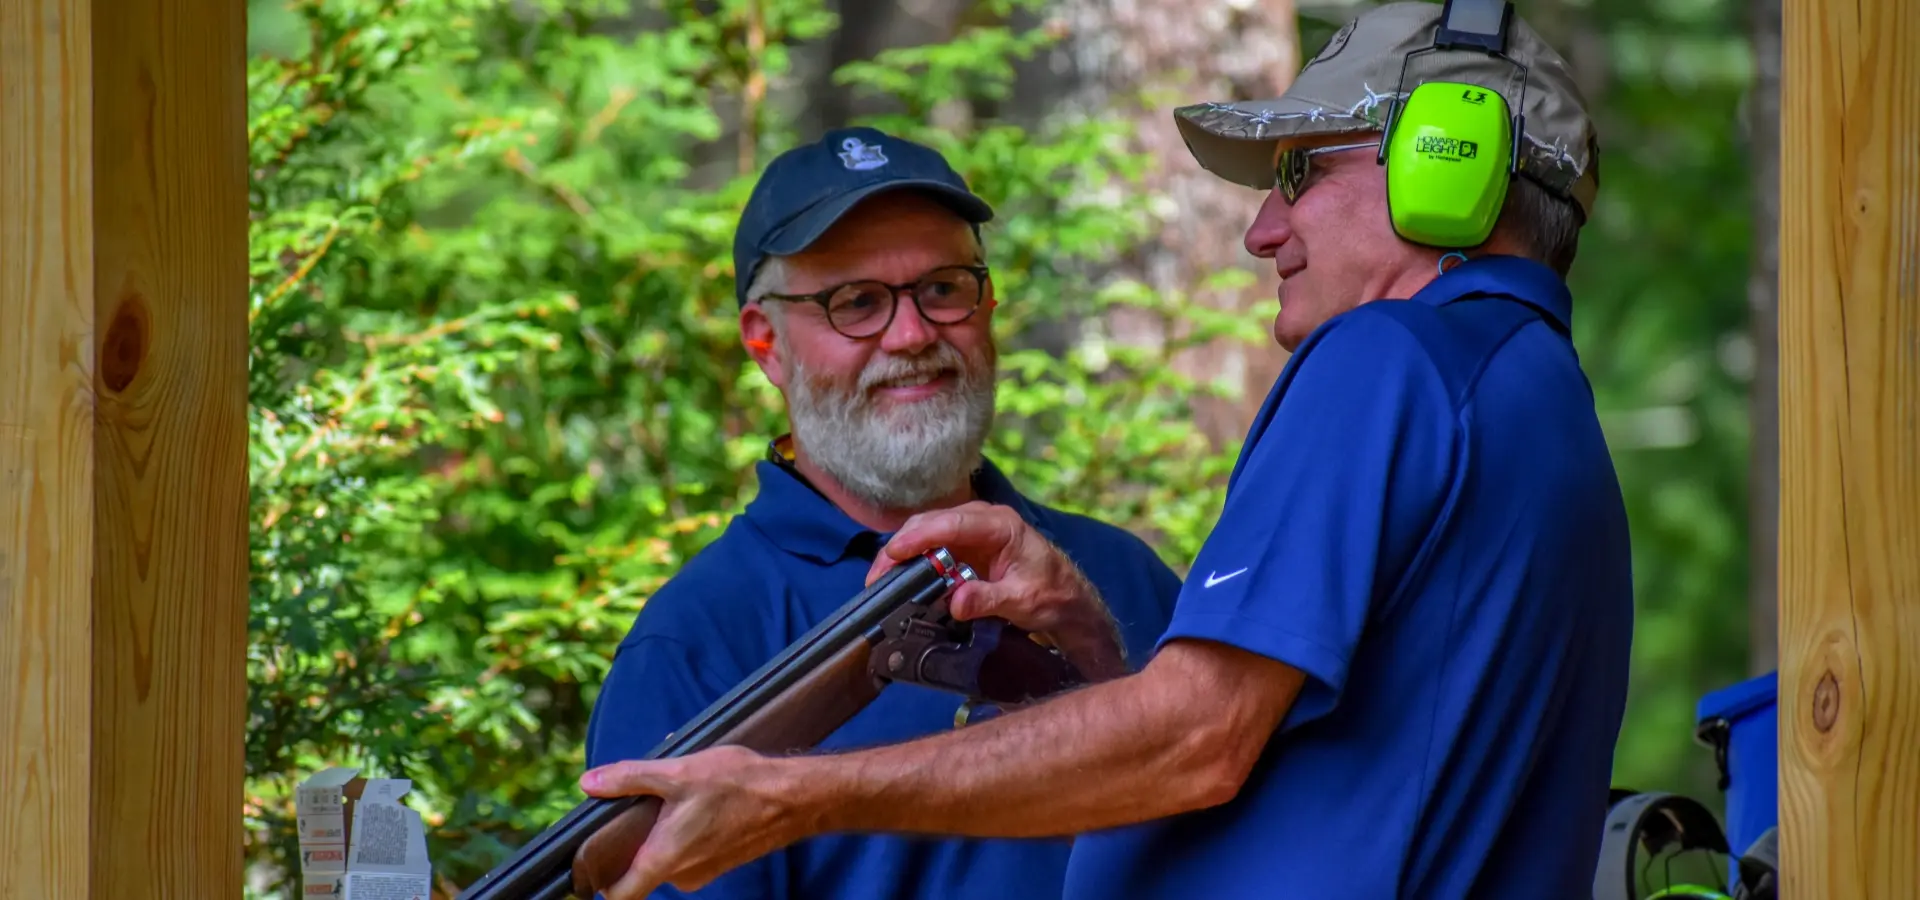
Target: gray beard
[{"x": 903, "y": 458}]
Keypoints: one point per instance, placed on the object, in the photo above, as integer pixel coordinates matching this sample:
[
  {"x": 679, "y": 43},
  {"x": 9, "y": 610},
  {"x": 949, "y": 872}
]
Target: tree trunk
[
  {"x": 1136, "y": 60},
  {"x": 867, "y": 28}
]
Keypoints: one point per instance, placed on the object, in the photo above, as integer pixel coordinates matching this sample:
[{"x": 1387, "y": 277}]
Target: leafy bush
[{"x": 498, "y": 392}]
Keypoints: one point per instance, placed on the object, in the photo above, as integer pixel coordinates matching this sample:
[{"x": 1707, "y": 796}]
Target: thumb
[
  {"x": 881, "y": 564},
  {"x": 628, "y": 778}
]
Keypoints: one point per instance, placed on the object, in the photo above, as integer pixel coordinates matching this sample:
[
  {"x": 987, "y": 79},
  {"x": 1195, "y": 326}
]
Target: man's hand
[
  {"x": 723, "y": 808},
  {"x": 1024, "y": 579},
  {"x": 1180, "y": 736}
]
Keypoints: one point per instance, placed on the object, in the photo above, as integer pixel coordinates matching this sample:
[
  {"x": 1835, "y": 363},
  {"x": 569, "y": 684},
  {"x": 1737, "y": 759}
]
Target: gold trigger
[{"x": 964, "y": 716}]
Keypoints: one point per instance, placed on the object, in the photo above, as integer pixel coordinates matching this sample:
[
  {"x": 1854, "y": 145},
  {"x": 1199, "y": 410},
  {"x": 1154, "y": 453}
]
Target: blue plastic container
[{"x": 1741, "y": 724}]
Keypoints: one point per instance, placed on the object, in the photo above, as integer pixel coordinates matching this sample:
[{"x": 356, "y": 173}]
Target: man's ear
[{"x": 756, "y": 332}]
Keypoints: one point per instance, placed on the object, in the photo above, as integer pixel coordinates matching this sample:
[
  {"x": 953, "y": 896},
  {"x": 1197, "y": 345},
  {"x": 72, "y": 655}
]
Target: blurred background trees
[{"x": 498, "y": 395}]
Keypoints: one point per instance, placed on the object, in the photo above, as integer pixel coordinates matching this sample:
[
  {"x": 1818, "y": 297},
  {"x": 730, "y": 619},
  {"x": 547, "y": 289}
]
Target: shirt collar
[
  {"x": 802, "y": 521},
  {"x": 1514, "y": 277}
]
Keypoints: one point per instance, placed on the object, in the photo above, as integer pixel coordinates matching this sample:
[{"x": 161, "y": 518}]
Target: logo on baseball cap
[{"x": 804, "y": 191}]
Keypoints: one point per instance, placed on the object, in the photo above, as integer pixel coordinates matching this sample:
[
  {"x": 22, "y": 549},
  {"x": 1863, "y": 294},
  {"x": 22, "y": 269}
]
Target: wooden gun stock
[
  {"x": 799, "y": 719},
  {"x": 895, "y": 630}
]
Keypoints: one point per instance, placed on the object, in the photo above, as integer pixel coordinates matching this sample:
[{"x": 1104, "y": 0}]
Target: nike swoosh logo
[{"x": 1213, "y": 579}]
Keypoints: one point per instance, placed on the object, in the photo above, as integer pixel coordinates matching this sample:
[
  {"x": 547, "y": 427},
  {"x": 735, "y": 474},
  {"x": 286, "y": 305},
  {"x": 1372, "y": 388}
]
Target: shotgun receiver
[{"x": 896, "y": 630}]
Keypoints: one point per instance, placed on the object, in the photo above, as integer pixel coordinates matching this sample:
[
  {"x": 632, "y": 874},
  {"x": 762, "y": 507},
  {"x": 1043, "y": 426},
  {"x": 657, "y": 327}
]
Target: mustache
[{"x": 940, "y": 360}]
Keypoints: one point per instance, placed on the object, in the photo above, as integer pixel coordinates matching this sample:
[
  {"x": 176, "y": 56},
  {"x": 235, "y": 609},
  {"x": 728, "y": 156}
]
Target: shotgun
[{"x": 896, "y": 630}]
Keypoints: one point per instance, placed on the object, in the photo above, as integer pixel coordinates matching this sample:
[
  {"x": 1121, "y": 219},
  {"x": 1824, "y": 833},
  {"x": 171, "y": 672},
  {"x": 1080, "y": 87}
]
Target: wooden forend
[{"x": 1850, "y": 450}]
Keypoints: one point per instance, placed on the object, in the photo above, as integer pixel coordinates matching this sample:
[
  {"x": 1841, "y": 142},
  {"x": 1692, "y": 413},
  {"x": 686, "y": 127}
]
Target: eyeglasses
[
  {"x": 861, "y": 309},
  {"x": 1291, "y": 167}
]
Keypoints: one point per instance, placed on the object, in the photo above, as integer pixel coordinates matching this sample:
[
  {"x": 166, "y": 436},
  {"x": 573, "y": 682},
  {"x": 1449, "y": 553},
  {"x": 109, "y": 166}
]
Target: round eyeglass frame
[{"x": 982, "y": 276}]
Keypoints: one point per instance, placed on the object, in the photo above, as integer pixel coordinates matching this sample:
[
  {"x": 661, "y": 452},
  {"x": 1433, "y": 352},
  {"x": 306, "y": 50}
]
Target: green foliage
[
  {"x": 498, "y": 391},
  {"x": 1662, "y": 325},
  {"x": 498, "y": 395}
]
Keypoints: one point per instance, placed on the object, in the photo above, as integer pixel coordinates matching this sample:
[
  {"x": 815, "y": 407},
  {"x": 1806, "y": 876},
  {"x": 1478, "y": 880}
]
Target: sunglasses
[{"x": 1292, "y": 166}]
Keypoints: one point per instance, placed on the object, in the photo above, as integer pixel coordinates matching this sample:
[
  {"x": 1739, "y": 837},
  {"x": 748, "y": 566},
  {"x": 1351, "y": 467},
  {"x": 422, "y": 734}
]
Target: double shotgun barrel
[{"x": 896, "y": 630}]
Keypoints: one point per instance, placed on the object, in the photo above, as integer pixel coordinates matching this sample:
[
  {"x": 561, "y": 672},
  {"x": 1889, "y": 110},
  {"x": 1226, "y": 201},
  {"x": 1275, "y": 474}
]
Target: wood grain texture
[
  {"x": 1850, "y": 450},
  {"x": 170, "y": 302},
  {"x": 46, "y": 441}
]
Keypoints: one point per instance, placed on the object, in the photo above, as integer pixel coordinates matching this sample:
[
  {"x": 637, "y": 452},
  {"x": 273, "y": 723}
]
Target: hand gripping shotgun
[{"x": 896, "y": 630}]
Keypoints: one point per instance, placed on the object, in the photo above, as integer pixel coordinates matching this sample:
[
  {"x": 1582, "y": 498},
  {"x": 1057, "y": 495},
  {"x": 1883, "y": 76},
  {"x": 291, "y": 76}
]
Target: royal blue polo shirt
[
  {"x": 780, "y": 568},
  {"x": 1426, "y": 521}
]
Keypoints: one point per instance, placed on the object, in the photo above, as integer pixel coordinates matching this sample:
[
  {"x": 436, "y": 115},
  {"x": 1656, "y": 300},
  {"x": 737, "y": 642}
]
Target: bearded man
[{"x": 866, "y": 299}]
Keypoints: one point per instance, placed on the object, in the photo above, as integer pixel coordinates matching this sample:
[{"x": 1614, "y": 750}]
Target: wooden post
[
  {"x": 1850, "y": 450},
  {"x": 46, "y": 446},
  {"x": 123, "y": 431}
]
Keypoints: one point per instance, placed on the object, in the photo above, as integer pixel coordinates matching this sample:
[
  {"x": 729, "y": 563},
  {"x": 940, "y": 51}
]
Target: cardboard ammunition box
[{"x": 358, "y": 841}]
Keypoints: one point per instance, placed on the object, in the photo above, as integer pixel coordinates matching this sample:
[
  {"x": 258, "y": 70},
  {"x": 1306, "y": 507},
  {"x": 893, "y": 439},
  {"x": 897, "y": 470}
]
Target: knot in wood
[
  {"x": 125, "y": 347},
  {"x": 1826, "y": 702}
]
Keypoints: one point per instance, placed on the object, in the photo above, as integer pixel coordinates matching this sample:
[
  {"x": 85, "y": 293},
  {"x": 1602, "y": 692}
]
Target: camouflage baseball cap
[{"x": 1348, "y": 85}]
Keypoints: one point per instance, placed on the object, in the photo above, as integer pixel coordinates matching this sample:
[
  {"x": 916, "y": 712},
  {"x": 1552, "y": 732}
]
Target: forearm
[
  {"x": 1091, "y": 640},
  {"x": 1068, "y": 611},
  {"x": 1090, "y": 759},
  {"x": 1115, "y": 753}
]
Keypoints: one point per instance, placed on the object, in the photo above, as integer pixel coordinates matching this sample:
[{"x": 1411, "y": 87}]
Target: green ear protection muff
[
  {"x": 1451, "y": 148},
  {"x": 1690, "y": 892},
  {"x": 1649, "y": 823}
]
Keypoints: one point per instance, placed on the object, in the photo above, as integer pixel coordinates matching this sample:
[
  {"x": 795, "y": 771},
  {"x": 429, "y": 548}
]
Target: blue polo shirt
[
  {"x": 790, "y": 560},
  {"x": 1425, "y": 520}
]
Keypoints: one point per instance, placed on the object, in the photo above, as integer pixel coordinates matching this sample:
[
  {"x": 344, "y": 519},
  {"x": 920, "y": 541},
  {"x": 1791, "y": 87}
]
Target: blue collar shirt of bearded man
[
  {"x": 1426, "y": 521},
  {"x": 779, "y": 569}
]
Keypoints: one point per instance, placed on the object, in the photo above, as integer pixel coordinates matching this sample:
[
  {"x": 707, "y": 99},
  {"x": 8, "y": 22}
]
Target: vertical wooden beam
[
  {"x": 1850, "y": 449},
  {"x": 123, "y": 469},
  {"x": 170, "y": 500},
  {"x": 46, "y": 446}
]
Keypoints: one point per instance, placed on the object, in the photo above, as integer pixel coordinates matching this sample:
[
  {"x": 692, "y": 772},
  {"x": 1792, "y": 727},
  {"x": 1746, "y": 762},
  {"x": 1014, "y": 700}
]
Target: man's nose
[
  {"x": 909, "y": 332},
  {"x": 1272, "y": 226}
]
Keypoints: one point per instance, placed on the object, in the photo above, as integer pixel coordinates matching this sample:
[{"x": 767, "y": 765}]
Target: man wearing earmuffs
[{"x": 1398, "y": 666}]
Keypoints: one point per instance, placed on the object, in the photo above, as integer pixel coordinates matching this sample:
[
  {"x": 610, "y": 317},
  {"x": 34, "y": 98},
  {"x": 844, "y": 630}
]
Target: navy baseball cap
[{"x": 804, "y": 191}]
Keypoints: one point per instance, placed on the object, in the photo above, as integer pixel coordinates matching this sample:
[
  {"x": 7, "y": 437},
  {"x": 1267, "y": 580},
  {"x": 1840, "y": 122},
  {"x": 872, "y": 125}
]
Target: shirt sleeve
[
  {"x": 1333, "y": 499},
  {"x": 656, "y": 685}
]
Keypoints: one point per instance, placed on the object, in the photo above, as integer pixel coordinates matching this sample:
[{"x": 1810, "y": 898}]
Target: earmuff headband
[
  {"x": 1652, "y": 821},
  {"x": 1474, "y": 23}
]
